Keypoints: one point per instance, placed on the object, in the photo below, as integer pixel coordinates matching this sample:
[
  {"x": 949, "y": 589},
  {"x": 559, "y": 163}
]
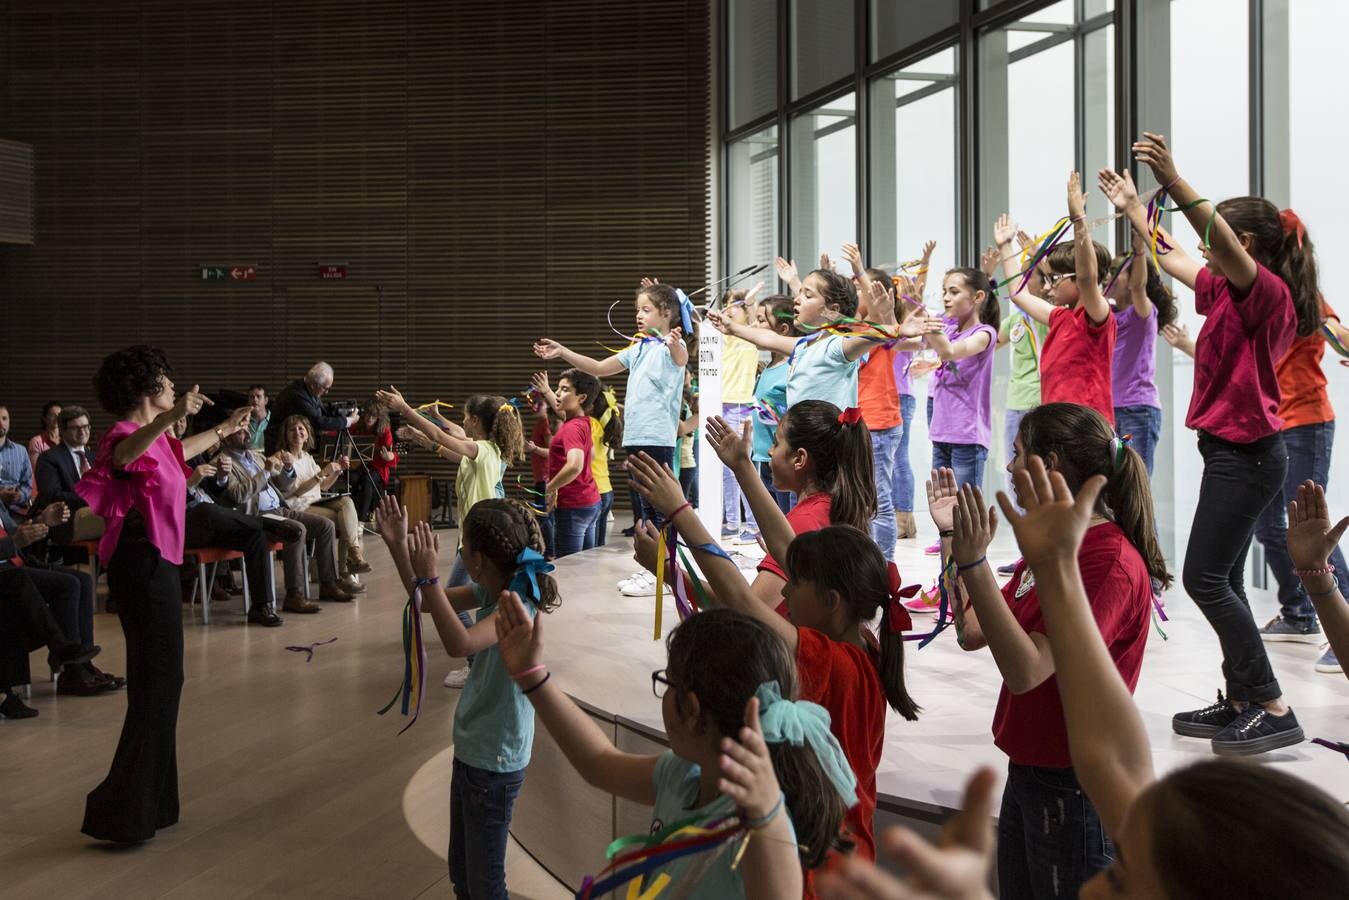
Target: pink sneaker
[
  {"x": 924, "y": 601},
  {"x": 934, "y": 550}
]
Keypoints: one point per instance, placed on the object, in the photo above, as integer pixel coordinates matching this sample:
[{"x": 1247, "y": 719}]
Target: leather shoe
[
  {"x": 296, "y": 602},
  {"x": 335, "y": 593},
  {"x": 79, "y": 683},
  {"x": 351, "y": 585},
  {"x": 71, "y": 655},
  {"x": 14, "y": 708},
  {"x": 99, "y": 674},
  {"x": 265, "y": 616}
]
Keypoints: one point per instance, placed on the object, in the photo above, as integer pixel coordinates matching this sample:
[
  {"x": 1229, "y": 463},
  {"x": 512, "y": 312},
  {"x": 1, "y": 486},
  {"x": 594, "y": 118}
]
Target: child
[
  {"x": 739, "y": 364},
  {"x": 770, "y": 392},
  {"x": 493, "y": 724},
  {"x": 606, "y": 431},
  {"x": 1025, "y": 335},
  {"x": 1257, "y": 276},
  {"x": 655, "y": 367},
  {"x": 1118, "y": 558},
  {"x": 540, "y": 437},
  {"x": 1142, "y": 308},
  {"x": 902, "y": 468},
  {"x": 1075, "y": 360},
  {"x": 839, "y": 583},
  {"x": 571, "y": 493},
  {"x": 724, "y": 699}
]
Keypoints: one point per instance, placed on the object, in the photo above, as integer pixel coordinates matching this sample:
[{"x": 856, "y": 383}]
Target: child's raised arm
[
  {"x": 520, "y": 642},
  {"x": 762, "y": 338},
  {"x": 1084, "y": 255},
  {"x": 1035, "y": 307},
  {"x": 1106, "y": 738},
  {"x": 920, "y": 279},
  {"x": 962, "y": 349},
  {"x": 546, "y": 348},
  {"x": 1311, "y": 540},
  {"x": 1119, "y": 188},
  {"x": 1138, "y": 278},
  {"x": 423, "y": 549},
  {"x": 787, "y": 272},
  {"x": 732, "y": 449},
  {"x": 458, "y": 444}
]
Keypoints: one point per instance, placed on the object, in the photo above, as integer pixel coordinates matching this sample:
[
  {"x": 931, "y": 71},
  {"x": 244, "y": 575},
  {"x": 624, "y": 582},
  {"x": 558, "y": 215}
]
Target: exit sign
[
  {"x": 229, "y": 273},
  {"x": 333, "y": 271},
  {"x": 213, "y": 273}
]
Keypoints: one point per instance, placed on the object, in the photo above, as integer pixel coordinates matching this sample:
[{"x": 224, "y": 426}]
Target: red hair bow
[
  {"x": 850, "y": 416},
  {"x": 897, "y": 617},
  {"x": 1291, "y": 223}
]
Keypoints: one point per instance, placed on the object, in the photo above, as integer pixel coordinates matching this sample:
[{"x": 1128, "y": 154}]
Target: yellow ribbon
[
  {"x": 660, "y": 583},
  {"x": 439, "y": 403},
  {"x": 610, "y": 406},
  {"x": 635, "y": 891}
]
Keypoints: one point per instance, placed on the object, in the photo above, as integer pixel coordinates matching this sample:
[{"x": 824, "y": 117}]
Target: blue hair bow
[
  {"x": 529, "y": 565},
  {"x": 685, "y": 311},
  {"x": 799, "y": 722}
]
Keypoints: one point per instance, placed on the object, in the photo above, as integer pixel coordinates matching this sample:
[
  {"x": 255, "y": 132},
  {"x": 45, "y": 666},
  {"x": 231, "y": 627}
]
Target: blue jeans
[
  {"x": 480, "y": 821},
  {"x": 1144, "y": 423},
  {"x": 883, "y": 529},
  {"x": 734, "y": 414},
  {"x": 1050, "y": 839},
  {"x": 1011, "y": 426},
  {"x": 575, "y": 528},
  {"x": 1309, "y": 449},
  {"x": 602, "y": 523},
  {"x": 459, "y": 578},
  {"x": 641, "y": 510},
  {"x": 901, "y": 489},
  {"x": 546, "y": 523},
  {"x": 966, "y": 459},
  {"x": 782, "y": 498}
]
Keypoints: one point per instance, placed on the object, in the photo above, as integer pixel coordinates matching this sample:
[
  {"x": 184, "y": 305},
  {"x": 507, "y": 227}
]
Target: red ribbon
[
  {"x": 897, "y": 616},
  {"x": 1291, "y": 223},
  {"x": 850, "y": 416}
]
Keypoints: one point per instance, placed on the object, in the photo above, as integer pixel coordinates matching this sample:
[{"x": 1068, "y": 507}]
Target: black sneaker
[
  {"x": 1257, "y": 730},
  {"x": 1206, "y": 722}
]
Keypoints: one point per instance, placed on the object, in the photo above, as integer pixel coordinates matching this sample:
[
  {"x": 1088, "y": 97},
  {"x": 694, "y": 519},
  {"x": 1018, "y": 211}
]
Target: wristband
[
  {"x": 1334, "y": 589},
  {"x": 542, "y": 682},
  {"x": 1328, "y": 569},
  {"x": 764, "y": 820},
  {"x": 949, "y": 532},
  {"x": 678, "y": 510},
  {"x": 961, "y": 567},
  {"x": 530, "y": 671},
  {"x": 435, "y": 579},
  {"x": 1081, "y": 218}
]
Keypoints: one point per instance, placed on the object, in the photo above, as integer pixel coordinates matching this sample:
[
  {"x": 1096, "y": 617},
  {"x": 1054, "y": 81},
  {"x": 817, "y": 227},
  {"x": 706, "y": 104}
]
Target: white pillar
[{"x": 709, "y": 404}]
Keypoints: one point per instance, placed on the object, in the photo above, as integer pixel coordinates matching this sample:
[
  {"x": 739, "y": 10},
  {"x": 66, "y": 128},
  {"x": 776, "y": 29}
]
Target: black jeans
[
  {"x": 641, "y": 510},
  {"x": 213, "y": 525},
  {"x": 1239, "y": 481},
  {"x": 1050, "y": 839},
  {"x": 140, "y": 792}
]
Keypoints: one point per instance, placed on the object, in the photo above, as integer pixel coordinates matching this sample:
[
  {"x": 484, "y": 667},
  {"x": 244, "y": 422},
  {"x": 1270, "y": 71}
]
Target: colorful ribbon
[
  {"x": 946, "y": 586},
  {"x": 1333, "y": 745},
  {"x": 768, "y": 414},
  {"x": 686, "y": 837},
  {"x": 668, "y": 556},
  {"x": 414, "y": 660},
  {"x": 309, "y": 648},
  {"x": 1333, "y": 340},
  {"x": 1159, "y": 616}
]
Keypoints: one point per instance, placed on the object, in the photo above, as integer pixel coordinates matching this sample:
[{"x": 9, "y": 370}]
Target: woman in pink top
[
  {"x": 138, "y": 484},
  {"x": 1256, "y": 274}
]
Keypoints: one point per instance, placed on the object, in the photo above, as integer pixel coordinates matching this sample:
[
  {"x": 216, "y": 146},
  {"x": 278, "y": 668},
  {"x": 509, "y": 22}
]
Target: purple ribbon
[
  {"x": 309, "y": 648},
  {"x": 1333, "y": 745}
]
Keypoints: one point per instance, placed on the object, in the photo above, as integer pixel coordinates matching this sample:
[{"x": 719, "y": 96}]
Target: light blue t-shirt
[
  {"x": 676, "y": 782},
  {"x": 769, "y": 391},
  {"x": 655, "y": 388},
  {"x": 494, "y": 722},
  {"x": 819, "y": 370}
]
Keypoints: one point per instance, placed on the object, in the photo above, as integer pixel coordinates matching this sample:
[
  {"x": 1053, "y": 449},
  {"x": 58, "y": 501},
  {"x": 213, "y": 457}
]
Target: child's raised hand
[
  {"x": 1178, "y": 336},
  {"x": 719, "y": 321},
  {"x": 732, "y": 447},
  {"x": 753, "y": 292},
  {"x": 656, "y": 483},
  {"x": 786, "y": 270},
  {"x": 1311, "y": 536},
  {"x": 826, "y": 263},
  {"x": 539, "y": 381},
  {"x": 747, "y": 775},
  {"x": 1153, "y": 151},
  {"x": 392, "y": 398},
  {"x": 424, "y": 550},
  {"x": 1077, "y": 201},
  {"x": 647, "y": 282},
  {"x": 673, "y": 336},
  {"x": 1003, "y": 230},
  {"x": 917, "y": 326},
  {"x": 645, "y": 537},
  {"x": 941, "y": 497},
  {"x": 928, "y": 246},
  {"x": 1051, "y": 528},
  {"x": 392, "y": 521},
  {"x": 990, "y": 261},
  {"x": 853, "y": 254},
  {"x": 1118, "y": 188},
  {"x": 519, "y": 636},
  {"x": 974, "y": 524},
  {"x": 1024, "y": 240},
  {"x": 545, "y": 348}
]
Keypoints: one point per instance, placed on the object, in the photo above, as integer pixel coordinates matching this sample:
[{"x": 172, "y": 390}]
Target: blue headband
[
  {"x": 802, "y": 722},
  {"x": 529, "y": 565},
  {"x": 685, "y": 311}
]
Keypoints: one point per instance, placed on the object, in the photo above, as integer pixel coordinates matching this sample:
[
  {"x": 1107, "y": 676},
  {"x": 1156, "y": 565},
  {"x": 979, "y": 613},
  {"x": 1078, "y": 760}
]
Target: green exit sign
[{"x": 214, "y": 273}]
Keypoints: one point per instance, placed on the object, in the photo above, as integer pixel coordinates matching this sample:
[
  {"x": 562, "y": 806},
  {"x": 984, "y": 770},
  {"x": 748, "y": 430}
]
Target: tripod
[{"x": 380, "y": 492}]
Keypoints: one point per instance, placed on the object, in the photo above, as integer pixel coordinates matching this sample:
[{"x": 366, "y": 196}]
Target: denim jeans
[
  {"x": 480, "y": 821},
  {"x": 1011, "y": 426},
  {"x": 1050, "y": 839},
  {"x": 1309, "y": 449},
  {"x": 901, "y": 490},
  {"x": 966, "y": 459},
  {"x": 546, "y": 524},
  {"x": 602, "y": 523},
  {"x": 734, "y": 414},
  {"x": 782, "y": 498},
  {"x": 641, "y": 510},
  {"x": 883, "y": 529},
  {"x": 459, "y": 578},
  {"x": 688, "y": 483},
  {"x": 1144, "y": 423},
  {"x": 1239, "y": 481},
  {"x": 575, "y": 528}
]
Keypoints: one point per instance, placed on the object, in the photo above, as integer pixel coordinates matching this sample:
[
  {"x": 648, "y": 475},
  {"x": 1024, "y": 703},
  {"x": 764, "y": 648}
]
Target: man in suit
[{"x": 58, "y": 470}]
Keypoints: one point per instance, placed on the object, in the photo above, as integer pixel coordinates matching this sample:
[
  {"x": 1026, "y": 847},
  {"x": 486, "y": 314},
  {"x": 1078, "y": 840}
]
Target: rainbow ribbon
[
  {"x": 946, "y": 586},
  {"x": 1334, "y": 341},
  {"x": 1159, "y": 616},
  {"x": 767, "y": 413},
  {"x": 1046, "y": 242},
  {"x": 309, "y": 648},
  {"x": 686, "y": 837},
  {"x": 414, "y": 659},
  {"x": 669, "y": 552}
]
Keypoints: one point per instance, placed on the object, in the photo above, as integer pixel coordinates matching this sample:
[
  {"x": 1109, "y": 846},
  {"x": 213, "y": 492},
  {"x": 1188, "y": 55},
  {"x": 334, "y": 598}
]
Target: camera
[{"x": 341, "y": 408}]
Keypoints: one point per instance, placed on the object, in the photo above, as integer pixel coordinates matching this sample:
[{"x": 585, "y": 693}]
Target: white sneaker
[
  {"x": 457, "y": 678},
  {"x": 639, "y": 576},
  {"x": 641, "y": 585}
]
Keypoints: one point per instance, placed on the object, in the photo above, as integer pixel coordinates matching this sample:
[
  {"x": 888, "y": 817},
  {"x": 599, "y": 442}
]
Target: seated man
[
  {"x": 16, "y": 472},
  {"x": 68, "y": 593},
  {"x": 27, "y": 623},
  {"x": 249, "y": 488},
  {"x": 302, "y": 397},
  {"x": 59, "y": 469}
]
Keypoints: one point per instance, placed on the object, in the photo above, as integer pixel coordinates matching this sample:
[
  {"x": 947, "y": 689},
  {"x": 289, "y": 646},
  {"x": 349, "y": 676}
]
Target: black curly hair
[{"x": 128, "y": 376}]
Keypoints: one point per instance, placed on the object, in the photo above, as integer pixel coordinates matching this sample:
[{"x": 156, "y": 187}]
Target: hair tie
[
  {"x": 850, "y": 416},
  {"x": 1292, "y": 223},
  {"x": 610, "y": 406},
  {"x": 897, "y": 618},
  {"x": 685, "y": 311},
  {"x": 1119, "y": 443},
  {"x": 505, "y": 406},
  {"x": 799, "y": 722},
  {"x": 529, "y": 565}
]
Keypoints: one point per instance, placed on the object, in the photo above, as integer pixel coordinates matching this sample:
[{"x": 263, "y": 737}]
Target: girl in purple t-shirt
[
  {"x": 1142, "y": 306},
  {"x": 958, "y": 412}
]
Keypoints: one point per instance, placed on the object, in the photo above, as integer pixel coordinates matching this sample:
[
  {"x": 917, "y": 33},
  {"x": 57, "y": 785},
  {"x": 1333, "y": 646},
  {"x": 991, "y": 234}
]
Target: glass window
[
  {"x": 896, "y": 24},
  {"x": 753, "y": 66},
  {"x": 822, "y": 43},
  {"x": 824, "y": 181},
  {"x": 753, "y": 201}
]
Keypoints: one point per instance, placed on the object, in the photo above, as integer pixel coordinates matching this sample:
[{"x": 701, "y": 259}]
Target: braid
[{"x": 500, "y": 529}]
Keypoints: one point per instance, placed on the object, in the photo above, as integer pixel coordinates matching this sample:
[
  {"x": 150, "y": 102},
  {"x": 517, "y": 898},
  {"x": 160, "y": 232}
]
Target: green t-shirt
[
  {"x": 1023, "y": 387},
  {"x": 479, "y": 479}
]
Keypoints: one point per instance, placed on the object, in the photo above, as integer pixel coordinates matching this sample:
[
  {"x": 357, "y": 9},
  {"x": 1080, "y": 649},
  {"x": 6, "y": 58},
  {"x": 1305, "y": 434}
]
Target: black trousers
[
  {"x": 26, "y": 623},
  {"x": 69, "y": 594},
  {"x": 212, "y": 525},
  {"x": 1239, "y": 481},
  {"x": 140, "y": 792}
]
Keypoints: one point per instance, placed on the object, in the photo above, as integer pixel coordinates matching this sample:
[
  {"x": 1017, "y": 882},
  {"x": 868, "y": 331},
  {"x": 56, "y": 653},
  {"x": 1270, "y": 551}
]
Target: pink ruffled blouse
[{"x": 154, "y": 485}]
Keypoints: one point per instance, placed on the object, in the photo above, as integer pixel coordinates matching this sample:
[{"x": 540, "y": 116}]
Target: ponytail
[
  {"x": 501, "y": 424},
  {"x": 846, "y": 561},
  {"x": 1083, "y": 445},
  {"x": 1279, "y": 242},
  {"x": 604, "y": 408},
  {"x": 838, "y": 446}
]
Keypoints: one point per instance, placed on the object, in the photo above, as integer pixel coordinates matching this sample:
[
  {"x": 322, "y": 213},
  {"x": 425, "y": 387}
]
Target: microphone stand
[{"x": 365, "y": 466}]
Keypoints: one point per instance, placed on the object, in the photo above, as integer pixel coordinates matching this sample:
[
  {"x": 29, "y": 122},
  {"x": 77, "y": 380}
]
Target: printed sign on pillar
[{"x": 709, "y": 404}]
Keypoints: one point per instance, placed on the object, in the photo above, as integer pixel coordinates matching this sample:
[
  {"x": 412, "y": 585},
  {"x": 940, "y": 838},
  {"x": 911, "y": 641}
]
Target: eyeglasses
[
  {"x": 659, "y": 683},
  {"x": 1053, "y": 279}
]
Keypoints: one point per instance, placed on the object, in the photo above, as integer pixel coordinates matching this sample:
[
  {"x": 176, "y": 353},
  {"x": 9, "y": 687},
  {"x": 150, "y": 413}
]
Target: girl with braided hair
[{"x": 502, "y": 549}]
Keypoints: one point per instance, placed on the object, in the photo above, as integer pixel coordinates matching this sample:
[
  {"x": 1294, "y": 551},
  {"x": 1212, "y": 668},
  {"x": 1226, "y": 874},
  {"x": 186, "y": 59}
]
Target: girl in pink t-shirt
[{"x": 1257, "y": 270}]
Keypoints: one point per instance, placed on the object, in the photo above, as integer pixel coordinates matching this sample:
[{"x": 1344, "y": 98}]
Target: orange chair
[{"x": 213, "y": 556}]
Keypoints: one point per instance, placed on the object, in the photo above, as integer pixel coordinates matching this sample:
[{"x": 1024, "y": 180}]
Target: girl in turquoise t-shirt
[
  {"x": 493, "y": 724},
  {"x": 774, "y": 313},
  {"x": 727, "y": 702}
]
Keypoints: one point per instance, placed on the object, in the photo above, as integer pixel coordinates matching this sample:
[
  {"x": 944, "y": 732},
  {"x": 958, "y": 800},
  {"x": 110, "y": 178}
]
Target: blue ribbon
[
  {"x": 529, "y": 565},
  {"x": 685, "y": 311},
  {"x": 798, "y": 722}
]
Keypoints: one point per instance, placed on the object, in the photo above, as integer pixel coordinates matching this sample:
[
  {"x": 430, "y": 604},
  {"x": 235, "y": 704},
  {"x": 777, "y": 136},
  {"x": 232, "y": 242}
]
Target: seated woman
[
  {"x": 367, "y": 491},
  {"x": 306, "y": 494}
]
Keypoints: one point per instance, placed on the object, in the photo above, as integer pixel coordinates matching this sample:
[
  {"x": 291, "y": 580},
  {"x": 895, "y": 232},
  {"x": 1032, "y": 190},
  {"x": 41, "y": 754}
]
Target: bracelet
[
  {"x": 1172, "y": 183},
  {"x": 678, "y": 510},
  {"x": 949, "y": 532},
  {"x": 530, "y": 671},
  {"x": 1315, "y": 595},
  {"x": 960, "y": 567},
  {"x": 1081, "y": 218},
  {"x": 764, "y": 820},
  {"x": 542, "y": 682},
  {"x": 1328, "y": 569},
  {"x": 434, "y": 579}
]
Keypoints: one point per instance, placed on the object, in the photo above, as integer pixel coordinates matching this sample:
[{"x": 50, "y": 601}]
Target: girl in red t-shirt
[{"x": 1041, "y": 854}]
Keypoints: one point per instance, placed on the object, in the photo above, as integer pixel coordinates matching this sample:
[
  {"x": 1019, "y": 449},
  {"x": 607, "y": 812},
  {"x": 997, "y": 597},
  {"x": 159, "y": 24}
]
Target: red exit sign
[
  {"x": 243, "y": 273},
  {"x": 333, "y": 271}
]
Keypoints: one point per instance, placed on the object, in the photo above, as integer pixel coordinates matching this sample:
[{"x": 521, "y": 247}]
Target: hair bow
[
  {"x": 1119, "y": 443},
  {"x": 1292, "y": 223},
  {"x": 610, "y": 406},
  {"x": 799, "y": 722},
  {"x": 850, "y": 416},
  {"x": 529, "y": 564},
  {"x": 896, "y": 616},
  {"x": 685, "y": 311}
]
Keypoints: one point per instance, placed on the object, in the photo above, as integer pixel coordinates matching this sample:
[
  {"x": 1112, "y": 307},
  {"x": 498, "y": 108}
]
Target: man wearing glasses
[{"x": 59, "y": 468}]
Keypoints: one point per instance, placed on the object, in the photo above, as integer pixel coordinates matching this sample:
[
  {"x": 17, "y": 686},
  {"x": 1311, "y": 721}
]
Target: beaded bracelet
[
  {"x": 542, "y": 682},
  {"x": 1329, "y": 569},
  {"x": 949, "y": 532},
  {"x": 764, "y": 820},
  {"x": 435, "y": 579}
]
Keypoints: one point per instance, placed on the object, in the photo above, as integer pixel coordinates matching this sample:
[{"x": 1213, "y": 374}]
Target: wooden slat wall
[{"x": 488, "y": 172}]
